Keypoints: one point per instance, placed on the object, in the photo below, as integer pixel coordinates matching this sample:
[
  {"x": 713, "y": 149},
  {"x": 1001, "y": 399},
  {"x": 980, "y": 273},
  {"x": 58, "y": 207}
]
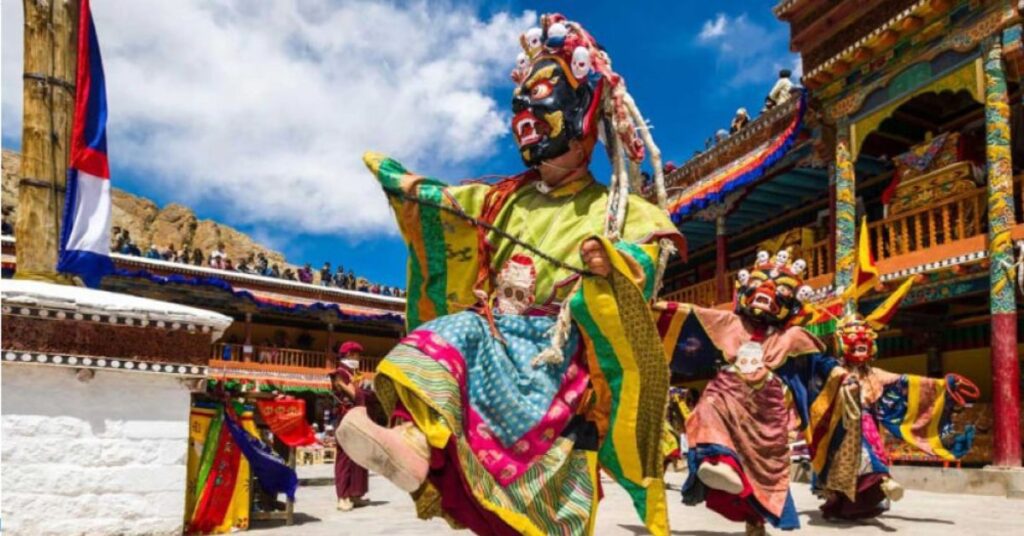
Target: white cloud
[
  {"x": 265, "y": 108},
  {"x": 747, "y": 52},
  {"x": 713, "y": 28}
]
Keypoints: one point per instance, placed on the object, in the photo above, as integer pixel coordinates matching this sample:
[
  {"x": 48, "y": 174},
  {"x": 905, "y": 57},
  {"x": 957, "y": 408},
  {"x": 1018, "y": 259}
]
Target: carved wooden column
[
  {"x": 1003, "y": 300},
  {"x": 845, "y": 209}
]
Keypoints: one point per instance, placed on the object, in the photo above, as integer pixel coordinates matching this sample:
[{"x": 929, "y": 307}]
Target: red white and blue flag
[{"x": 85, "y": 236}]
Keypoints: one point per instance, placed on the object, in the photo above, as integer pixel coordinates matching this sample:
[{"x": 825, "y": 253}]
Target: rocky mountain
[{"x": 173, "y": 225}]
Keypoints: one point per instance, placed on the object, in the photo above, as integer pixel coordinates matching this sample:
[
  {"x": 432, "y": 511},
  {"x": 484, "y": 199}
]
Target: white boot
[
  {"x": 721, "y": 477},
  {"x": 399, "y": 454},
  {"x": 892, "y": 489},
  {"x": 344, "y": 504}
]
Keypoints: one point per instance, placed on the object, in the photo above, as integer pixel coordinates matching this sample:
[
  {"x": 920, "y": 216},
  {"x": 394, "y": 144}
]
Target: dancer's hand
[{"x": 595, "y": 257}]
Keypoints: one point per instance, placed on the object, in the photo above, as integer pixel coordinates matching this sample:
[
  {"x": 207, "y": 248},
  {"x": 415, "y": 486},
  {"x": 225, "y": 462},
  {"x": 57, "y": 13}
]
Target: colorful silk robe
[
  {"x": 217, "y": 494},
  {"x": 534, "y": 469},
  {"x": 848, "y": 455},
  {"x": 741, "y": 420}
]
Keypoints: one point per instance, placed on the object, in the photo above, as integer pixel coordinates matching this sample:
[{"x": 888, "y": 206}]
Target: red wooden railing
[{"x": 952, "y": 219}]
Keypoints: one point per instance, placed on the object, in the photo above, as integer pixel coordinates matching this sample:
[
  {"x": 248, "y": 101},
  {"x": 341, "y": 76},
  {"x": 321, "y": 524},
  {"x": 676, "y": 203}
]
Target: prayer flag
[{"x": 85, "y": 235}]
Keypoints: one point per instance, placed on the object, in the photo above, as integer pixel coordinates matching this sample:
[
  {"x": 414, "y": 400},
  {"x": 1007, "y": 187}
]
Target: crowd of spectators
[{"x": 255, "y": 263}]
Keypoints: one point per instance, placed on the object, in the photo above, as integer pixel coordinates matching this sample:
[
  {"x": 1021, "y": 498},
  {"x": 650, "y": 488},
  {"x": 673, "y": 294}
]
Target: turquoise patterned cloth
[{"x": 509, "y": 393}]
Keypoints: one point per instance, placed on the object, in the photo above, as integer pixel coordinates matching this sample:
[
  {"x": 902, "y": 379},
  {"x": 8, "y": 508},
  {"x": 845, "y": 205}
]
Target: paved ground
[{"x": 392, "y": 514}]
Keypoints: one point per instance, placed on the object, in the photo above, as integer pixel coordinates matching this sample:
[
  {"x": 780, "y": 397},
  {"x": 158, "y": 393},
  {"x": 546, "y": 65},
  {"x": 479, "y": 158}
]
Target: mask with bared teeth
[
  {"x": 856, "y": 340},
  {"x": 769, "y": 293},
  {"x": 561, "y": 77}
]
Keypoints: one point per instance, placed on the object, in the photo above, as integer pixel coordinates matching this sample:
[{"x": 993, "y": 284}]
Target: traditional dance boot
[
  {"x": 399, "y": 454},
  {"x": 721, "y": 477},
  {"x": 756, "y": 529},
  {"x": 893, "y": 490},
  {"x": 344, "y": 504}
]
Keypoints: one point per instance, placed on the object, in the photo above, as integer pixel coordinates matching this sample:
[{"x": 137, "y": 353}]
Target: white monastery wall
[{"x": 104, "y": 456}]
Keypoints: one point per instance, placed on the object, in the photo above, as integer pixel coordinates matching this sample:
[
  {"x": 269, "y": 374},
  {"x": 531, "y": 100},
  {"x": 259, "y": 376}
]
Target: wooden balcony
[
  {"x": 956, "y": 218},
  {"x": 954, "y": 226},
  {"x": 271, "y": 356},
  {"x": 704, "y": 293},
  {"x": 255, "y": 361}
]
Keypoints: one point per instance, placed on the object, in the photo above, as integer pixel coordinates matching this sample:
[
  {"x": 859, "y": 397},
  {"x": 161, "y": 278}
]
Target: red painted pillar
[
  {"x": 1003, "y": 299},
  {"x": 721, "y": 261},
  {"x": 1005, "y": 391}
]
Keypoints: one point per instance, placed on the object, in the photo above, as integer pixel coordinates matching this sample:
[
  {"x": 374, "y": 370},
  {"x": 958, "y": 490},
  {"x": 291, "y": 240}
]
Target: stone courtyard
[{"x": 391, "y": 513}]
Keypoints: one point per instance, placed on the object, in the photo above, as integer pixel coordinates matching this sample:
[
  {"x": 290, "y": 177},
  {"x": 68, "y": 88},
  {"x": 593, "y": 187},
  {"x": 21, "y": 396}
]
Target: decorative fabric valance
[
  {"x": 968, "y": 77},
  {"x": 346, "y": 314},
  {"x": 740, "y": 172}
]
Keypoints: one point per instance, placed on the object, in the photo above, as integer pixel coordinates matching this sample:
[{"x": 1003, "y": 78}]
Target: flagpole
[{"x": 51, "y": 58}]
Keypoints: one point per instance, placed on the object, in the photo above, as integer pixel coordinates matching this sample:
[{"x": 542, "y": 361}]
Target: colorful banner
[
  {"x": 205, "y": 430},
  {"x": 287, "y": 420},
  {"x": 277, "y": 305},
  {"x": 273, "y": 473},
  {"x": 738, "y": 173},
  {"x": 85, "y": 235},
  {"x": 218, "y": 486}
]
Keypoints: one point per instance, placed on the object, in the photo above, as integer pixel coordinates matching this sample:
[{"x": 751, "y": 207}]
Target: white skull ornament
[
  {"x": 516, "y": 286},
  {"x": 781, "y": 258},
  {"x": 522, "y": 68},
  {"x": 762, "y": 258},
  {"x": 799, "y": 266},
  {"x": 580, "y": 62},
  {"x": 804, "y": 293},
  {"x": 531, "y": 40}
]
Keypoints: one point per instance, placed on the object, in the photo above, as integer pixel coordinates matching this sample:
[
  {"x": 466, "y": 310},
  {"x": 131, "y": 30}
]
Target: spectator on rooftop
[
  {"x": 289, "y": 275},
  {"x": 721, "y": 136},
  {"x": 170, "y": 253},
  {"x": 127, "y": 246},
  {"x": 243, "y": 266},
  {"x": 325, "y": 275},
  {"x": 275, "y": 271},
  {"x": 197, "y": 257},
  {"x": 339, "y": 277},
  {"x": 153, "y": 252},
  {"x": 218, "y": 259},
  {"x": 351, "y": 280},
  {"x": 780, "y": 92},
  {"x": 228, "y": 265},
  {"x": 306, "y": 273},
  {"x": 739, "y": 121},
  {"x": 116, "y": 241},
  {"x": 184, "y": 255}
]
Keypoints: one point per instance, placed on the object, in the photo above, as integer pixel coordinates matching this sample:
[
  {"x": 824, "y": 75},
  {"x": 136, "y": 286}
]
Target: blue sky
[{"x": 255, "y": 114}]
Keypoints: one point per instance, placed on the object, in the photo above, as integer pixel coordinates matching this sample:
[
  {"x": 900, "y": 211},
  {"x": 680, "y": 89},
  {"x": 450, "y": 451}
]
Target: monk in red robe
[{"x": 351, "y": 481}]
